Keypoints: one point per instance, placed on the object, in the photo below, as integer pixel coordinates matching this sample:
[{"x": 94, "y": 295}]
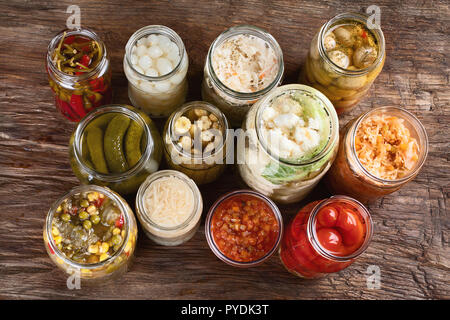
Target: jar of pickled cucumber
[
  {"x": 79, "y": 72},
  {"x": 195, "y": 141},
  {"x": 116, "y": 146},
  {"x": 91, "y": 233},
  {"x": 344, "y": 59},
  {"x": 243, "y": 64},
  {"x": 155, "y": 64}
]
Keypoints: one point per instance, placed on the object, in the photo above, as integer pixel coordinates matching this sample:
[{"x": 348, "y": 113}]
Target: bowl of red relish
[{"x": 244, "y": 228}]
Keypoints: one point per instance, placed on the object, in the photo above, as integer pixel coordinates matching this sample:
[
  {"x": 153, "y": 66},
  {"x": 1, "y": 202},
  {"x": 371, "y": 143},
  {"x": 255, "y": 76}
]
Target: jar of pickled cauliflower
[
  {"x": 195, "y": 140},
  {"x": 155, "y": 64},
  {"x": 169, "y": 206},
  {"x": 244, "y": 63},
  {"x": 380, "y": 151},
  {"x": 344, "y": 59},
  {"x": 289, "y": 142},
  {"x": 91, "y": 232},
  {"x": 116, "y": 146},
  {"x": 79, "y": 72}
]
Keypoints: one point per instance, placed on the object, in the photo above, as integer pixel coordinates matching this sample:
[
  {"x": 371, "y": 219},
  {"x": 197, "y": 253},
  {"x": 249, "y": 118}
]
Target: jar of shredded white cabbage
[
  {"x": 169, "y": 206},
  {"x": 155, "y": 64},
  {"x": 243, "y": 64}
]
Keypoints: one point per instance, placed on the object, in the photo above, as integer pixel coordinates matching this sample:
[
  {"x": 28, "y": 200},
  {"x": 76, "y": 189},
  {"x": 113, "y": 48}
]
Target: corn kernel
[
  {"x": 104, "y": 247},
  {"x": 116, "y": 231},
  {"x": 58, "y": 240},
  {"x": 104, "y": 256},
  {"x": 55, "y": 231},
  {"x": 123, "y": 234},
  {"x": 59, "y": 209},
  {"x": 92, "y": 196},
  {"x": 93, "y": 249},
  {"x": 101, "y": 195},
  {"x": 91, "y": 209}
]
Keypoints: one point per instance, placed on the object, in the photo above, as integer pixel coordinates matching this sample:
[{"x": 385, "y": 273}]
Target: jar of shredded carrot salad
[
  {"x": 379, "y": 152},
  {"x": 243, "y": 64}
]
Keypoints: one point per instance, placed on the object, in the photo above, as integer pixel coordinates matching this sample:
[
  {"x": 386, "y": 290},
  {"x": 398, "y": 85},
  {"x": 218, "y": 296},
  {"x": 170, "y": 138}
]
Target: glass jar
[
  {"x": 88, "y": 171},
  {"x": 250, "y": 195},
  {"x": 348, "y": 176},
  {"x": 345, "y": 87},
  {"x": 112, "y": 267},
  {"x": 156, "y": 95},
  {"x": 169, "y": 235},
  {"x": 196, "y": 161},
  {"x": 301, "y": 251},
  {"x": 287, "y": 180},
  {"x": 235, "y": 104},
  {"x": 76, "y": 95}
]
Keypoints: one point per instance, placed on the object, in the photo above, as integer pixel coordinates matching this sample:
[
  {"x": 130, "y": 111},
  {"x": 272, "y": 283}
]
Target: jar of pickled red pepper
[
  {"x": 344, "y": 59},
  {"x": 243, "y": 64},
  {"x": 326, "y": 236},
  {"x": 380, "y": 151},
  {"x": 116, "y": 146},
  {"x": 91, "y": 232},
  {"x": 79, "y": 72}
]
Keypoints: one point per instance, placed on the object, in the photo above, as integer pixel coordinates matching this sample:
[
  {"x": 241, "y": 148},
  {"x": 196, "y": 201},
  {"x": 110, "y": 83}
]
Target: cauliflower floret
[
  {"x": 306, "y": 138},
  {"x": 286, "y": 120}
]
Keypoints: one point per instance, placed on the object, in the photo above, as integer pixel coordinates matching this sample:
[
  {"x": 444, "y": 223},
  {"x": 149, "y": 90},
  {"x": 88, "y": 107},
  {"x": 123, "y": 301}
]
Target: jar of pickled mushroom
[
  {"x": 116, "y": 146},
  {"x": 195, "y": 139},
  {"x": 244, "y": 228},
  {"x": 156, "y": 64},
  {"x": 344, "y": 59},
  {"x": 243, "y": 64},
  {"x": 169, "y": 206},
  {"x": 326, "y": 236},
  {"x": 289, "y": 142},
  {"x": 91, "y": 232},
  {"x": 79, "y": 72},
  {"x": 380, "y": 151}
]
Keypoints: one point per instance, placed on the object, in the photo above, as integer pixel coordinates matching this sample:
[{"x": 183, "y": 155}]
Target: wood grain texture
[{"x": 411, "y": 240}]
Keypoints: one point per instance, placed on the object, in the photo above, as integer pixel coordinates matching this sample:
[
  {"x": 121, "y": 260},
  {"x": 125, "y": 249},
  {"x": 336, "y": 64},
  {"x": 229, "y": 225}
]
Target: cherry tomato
[
  {"x": 330, "y": 239},
  {"x": 351, "y": 228},
  {"x": 327, "y": 216}
]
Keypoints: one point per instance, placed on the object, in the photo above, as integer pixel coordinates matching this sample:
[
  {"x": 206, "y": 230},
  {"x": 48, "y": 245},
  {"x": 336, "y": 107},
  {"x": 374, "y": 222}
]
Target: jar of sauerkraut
[
  {"x": 380, "y": 151},
  {"x": 169, "y": 206},
  {"x": 244, "y": 63},
  {"x": 195, "y": 140},
  {"x": 344, "y": 59},
  {"x": 156, "y": 64},
  {"x": 289, "y": 142}
]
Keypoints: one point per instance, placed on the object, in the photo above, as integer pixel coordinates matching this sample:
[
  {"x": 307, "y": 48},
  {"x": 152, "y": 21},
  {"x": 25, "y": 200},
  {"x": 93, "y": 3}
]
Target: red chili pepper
[
  {"x": 66, "y": 110},
  {"x": 97, "y": 84},
  {"x": 73, "y": 211},
  {"x": 99, "y": 202},
  {"x": 85, "y": 61},
  {"x": 76, "y": 102},
  {"x": 119, "y": 221},
  {"x": 50, "y": 248},
  {"x": 69, "y": 40},
  {"x": 364, "y": 34}
]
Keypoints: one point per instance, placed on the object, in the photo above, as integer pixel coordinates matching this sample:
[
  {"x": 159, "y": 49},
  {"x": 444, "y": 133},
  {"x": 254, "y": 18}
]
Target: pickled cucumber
[
  {"x": 113, "y": 143},
  {"x": 101, "y": 121},
  {"x": 95, "y": 146},
  {"x": 133, "y": 143}
]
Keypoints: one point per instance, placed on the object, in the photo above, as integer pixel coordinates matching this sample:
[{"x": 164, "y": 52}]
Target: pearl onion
[
  {"x": 174, "y": 56},
  {"x": 151, "y": 72},
  {"x": 141, "y": 50},
  {"x": 145, "y": 62},
  {"x": 152, "y": 39},
  {"x": 162, "y": 86},
  {"x": 155, "y": 51},
  {"x": 164, "y": 66},
  {"x": 134, "y": 59}
]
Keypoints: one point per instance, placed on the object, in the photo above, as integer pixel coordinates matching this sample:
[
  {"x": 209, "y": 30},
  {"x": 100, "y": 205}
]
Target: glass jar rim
[
  {"x": 140, "y": 207},
  {"x": 155, "y": 29},
  {"x": 361, "y": 18},
  {"x": 132, "y": 113},
  {"x": 70, "y": 32},
  {"x": 197, "y": 105},
  {"x": 311, "y": 230},
  {"x": 328, "y": 108},
  {"x": 212, "y": 244},
  {"x": 413, "y": 121},
  {"x": 79, "y": 189},
  {"x": 254, "y": 31}
]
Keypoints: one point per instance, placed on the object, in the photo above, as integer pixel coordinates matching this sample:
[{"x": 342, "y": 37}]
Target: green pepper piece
[
  {"x": 132, "y": 143},
  {"x": 95, "y": 146},
  {"x": 113, "y": 143}
]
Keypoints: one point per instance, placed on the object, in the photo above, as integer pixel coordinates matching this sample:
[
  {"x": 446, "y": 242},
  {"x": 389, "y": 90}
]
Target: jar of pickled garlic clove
[
  {"x": 379, "y": 152},
  {"x": 195, "y": 141},
  {"x": 91, "y": 232},
  {"x": 344, "y": 59},
  {"x": 325, "y": 237},
  {"x": 243, "y": 64},
  {"x": 155, "y": 64},
  {"x": 79, "y": 72}
]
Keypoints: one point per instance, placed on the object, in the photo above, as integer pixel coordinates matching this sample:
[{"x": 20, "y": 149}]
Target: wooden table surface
[{"x": 411, "y": 240}]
